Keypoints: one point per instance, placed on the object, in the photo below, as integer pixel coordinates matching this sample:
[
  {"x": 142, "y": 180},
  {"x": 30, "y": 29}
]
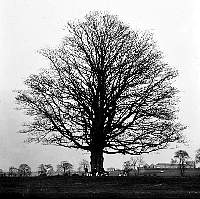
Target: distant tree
[
  {"x": 137, "y": 163},
  {"x": 60, "y": 170},
  {"x": 84, "y": 166},
  {"x": 42, "y": 170},
  {"x": 107, "y": 90},
  {"x": 181, "y": 156},
  {"x": 134, "y": 163},
  {"x": 45, "y": 170},
  {"x": 67, "y": 167},
  {"x": 140, "y": 162},
  {"x": 49, "y": 170},
  {"x": 127, "y": 167},
  {"x": 197, "y": 156},
  {"x": 13, "y": 171},
  {"x": 24, "y": 170}
]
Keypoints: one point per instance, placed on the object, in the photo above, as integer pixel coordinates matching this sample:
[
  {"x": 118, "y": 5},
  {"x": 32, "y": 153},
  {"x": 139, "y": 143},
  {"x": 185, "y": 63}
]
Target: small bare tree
[{"x": 136, "y": 163}]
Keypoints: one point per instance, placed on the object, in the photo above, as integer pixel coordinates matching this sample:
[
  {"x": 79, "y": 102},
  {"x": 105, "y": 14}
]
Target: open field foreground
[{"x": 100, "y": 187}]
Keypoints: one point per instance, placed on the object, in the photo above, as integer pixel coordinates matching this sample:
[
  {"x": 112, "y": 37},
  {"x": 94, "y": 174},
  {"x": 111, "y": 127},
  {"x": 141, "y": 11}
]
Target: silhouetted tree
[
  {"x": 60, "y": 170},
  {"x": 107, "y": 90},
  {"x": 13, "y": 171},
  {"x": 67, "y": 167},
  {"x": 45, "y": 170},
  {"x": 42, "y": 170},
  {"x": 181, "y": 156},
  {"x": 24, "y": 170},
  {"x": 49, "y": 169}
]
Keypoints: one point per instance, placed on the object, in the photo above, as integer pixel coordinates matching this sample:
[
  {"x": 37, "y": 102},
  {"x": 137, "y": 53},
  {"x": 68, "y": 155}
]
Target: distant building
[
  {"x": 145, "y": 166},
  {"x": 116, "y": 172},
  {"x": 110, "y": 169},
  {"x": 151, "y": 166},
  {"x": 188, "y": 165},
  {"x": 167, "y": 166}
]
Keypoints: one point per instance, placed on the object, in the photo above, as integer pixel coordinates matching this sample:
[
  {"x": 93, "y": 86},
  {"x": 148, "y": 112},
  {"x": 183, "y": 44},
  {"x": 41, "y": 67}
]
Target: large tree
[{"x": 107, "y": 90}]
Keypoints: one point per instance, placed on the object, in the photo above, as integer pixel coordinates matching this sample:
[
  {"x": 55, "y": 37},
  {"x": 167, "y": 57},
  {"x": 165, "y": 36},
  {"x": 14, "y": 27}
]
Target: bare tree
[
  {"x": 107, "y": 90},
  {"x": 136, "y": 163},
  {"x": 181, "y": 156}
]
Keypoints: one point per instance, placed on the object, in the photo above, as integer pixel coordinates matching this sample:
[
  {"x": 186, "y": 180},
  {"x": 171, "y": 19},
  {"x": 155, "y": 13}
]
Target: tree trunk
[
  {"x": 96, "y": 162},
  {"x": 182, "y": 169}
]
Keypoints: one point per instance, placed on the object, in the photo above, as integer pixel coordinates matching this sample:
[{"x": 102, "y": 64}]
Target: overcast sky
[{"x": 29, "y": 25}]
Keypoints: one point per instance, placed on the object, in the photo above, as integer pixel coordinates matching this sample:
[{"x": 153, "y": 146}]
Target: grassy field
[{"x": 100, "y": 187}]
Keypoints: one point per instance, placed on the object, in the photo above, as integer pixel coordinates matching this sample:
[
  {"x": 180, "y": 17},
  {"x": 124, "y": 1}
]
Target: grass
[{"x": 100, "y": 187}]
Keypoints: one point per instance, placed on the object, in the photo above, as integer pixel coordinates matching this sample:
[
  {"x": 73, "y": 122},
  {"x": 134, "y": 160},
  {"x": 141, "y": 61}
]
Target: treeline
[{"x": 63, "y": 168}]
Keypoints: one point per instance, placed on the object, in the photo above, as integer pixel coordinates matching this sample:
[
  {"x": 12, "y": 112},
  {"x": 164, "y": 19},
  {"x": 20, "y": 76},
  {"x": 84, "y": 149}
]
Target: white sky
[{"x": 27, "y": 26}]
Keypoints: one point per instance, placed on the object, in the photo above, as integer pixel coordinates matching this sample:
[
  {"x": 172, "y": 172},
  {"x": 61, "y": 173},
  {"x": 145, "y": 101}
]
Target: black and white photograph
[{"x": 99, "y": 99}]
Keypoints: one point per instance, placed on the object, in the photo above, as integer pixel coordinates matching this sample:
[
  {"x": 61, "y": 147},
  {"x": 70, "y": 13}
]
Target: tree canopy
[
  {"x": 181, "y": 155},
  {"x": 107, "y": 90}
]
